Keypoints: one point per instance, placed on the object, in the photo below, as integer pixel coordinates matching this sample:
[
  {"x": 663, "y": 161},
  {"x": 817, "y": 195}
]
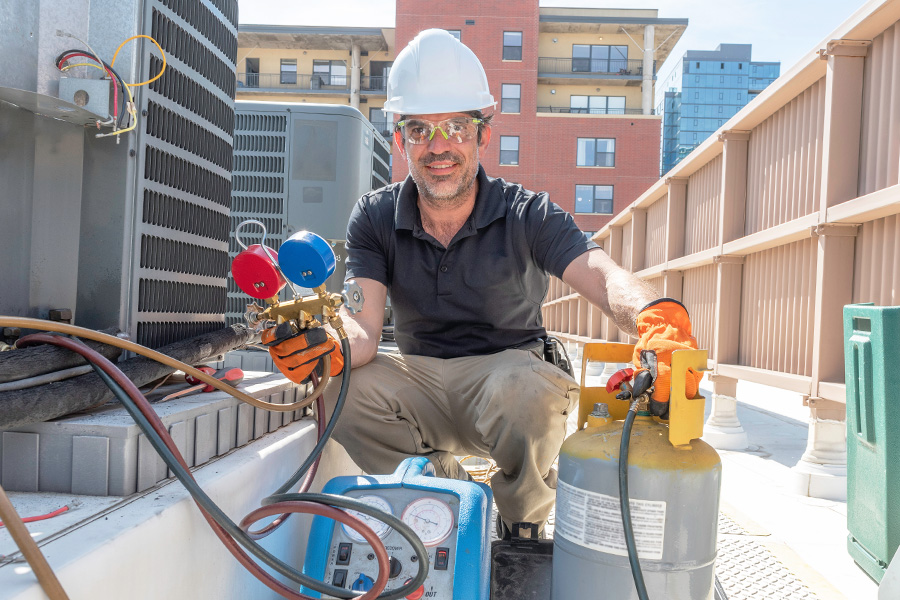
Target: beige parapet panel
[
  {"x": 877, "y": 261},
  {"x": 655, "y": 243},
  {"x": 777, "y": 303},
  {"x": 704, "y": 190},
  {"x": 699, "y": 297},
  {"x": 879, "y": 156},
  {"x": 638, "y": 238}
]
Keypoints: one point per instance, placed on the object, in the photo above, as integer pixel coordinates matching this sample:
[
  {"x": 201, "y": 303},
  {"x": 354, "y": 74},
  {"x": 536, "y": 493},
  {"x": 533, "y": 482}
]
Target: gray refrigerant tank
[{"x": 674, "y": 493}]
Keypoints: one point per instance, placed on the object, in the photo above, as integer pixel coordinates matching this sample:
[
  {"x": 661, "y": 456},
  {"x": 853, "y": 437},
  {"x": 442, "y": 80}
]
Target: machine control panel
[
  {"x": 434, "y": 518},
  {"x": 451, "y": 518}
]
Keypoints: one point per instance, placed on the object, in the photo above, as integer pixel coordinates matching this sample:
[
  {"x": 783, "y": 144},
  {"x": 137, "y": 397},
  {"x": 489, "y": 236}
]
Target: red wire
[
  {"x": 108, "y": 70},
  {"x": 50, "y": 515},
  {"x": 230, "y": 543}
]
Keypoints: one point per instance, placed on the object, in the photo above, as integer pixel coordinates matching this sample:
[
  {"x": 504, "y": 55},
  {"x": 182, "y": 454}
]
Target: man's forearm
[{"x": 627, "y": 295}]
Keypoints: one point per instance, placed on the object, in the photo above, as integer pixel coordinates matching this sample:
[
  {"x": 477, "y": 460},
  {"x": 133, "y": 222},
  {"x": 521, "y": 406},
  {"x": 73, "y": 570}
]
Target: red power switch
[{"x": 416, "y": 594}]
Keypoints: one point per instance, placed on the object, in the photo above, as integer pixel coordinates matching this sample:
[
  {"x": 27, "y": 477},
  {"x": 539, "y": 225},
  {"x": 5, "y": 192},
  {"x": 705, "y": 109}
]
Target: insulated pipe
[{"x": 41, "y": 325}]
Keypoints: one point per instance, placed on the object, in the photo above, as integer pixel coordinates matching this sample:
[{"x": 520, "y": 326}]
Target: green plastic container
[{"x": 872, "y": 355}]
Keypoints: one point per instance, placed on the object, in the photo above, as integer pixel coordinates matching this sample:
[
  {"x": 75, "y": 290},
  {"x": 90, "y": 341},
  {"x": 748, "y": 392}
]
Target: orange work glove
[
  {"x": 664, "y": 326},
  {"x": 297, "y": 354}
]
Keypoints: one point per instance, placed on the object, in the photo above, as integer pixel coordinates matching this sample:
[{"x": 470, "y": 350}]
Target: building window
[
  {"x": 721, "y": 79},
  {"x": 696, "y": 108},
  {"x": 510, "y": 98},
  {"x": 329, "y": 72},
  {"x": 455, "y": 33},
  {"x": 509, "y": 149},
  {"x": 597, "y": 105},
  {"x": 740, "y": 66},
  {"x": 740, "y": 79},
  {"x": 698, "y": 65},
  {"x": 721, "y": 95},
  {"x": 599, "y": 59},
  {"x": 596, "y": 152},
  {"x": 720, "y": 109},
  {"x": 696, "y": 95},
  {"x": 594, "y": 199},
  {"x": 721, "y": 65},
  {"x": 696, "y": 79},
  {"x": 289, "y": 71},
  {"x": 696, "y": 122},
  {"x": 512, "y": 45}
]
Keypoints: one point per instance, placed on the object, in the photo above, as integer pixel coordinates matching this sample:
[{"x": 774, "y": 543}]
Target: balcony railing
[
  {"x": 308, "y": 83},
  {"x": 384, "y": 128},
  {"x": 587, "y": 67},
  {"x": 590, "y": 111}
]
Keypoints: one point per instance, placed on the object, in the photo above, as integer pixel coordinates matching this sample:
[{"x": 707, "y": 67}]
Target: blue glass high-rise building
[{"x": 703, "y": 91}]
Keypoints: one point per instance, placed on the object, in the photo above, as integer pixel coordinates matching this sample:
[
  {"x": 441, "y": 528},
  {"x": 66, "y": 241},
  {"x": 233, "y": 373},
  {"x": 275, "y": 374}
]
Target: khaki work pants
[{"x": 510, "y": 406}]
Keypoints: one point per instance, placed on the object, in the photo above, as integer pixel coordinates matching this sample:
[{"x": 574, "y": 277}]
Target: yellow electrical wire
[
  {"x": 81, "y": 332},
  {"x": 67, "y": 67},
  {"x": 163, "y": 54}
]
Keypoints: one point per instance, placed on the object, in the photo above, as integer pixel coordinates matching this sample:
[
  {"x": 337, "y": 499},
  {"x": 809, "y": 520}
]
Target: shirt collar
[{"x": 489, "y": 203}]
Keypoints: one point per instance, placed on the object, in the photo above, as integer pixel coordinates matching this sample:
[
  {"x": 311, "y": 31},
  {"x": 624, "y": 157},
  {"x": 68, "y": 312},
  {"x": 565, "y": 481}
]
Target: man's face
[{"x": 444, "y": 171}]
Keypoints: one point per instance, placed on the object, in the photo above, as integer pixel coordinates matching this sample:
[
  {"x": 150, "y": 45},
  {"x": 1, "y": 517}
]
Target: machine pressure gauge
[
  {"x": 380, "y": 528},
  {"x": 430, "y": 518}
]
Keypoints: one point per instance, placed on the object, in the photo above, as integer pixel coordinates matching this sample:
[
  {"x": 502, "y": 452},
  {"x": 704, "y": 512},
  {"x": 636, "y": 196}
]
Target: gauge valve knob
[{"x": 363, "y": 583}]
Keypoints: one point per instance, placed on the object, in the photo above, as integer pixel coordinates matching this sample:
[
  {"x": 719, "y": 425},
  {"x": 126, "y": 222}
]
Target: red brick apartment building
[{"x": 574, "y": 88}]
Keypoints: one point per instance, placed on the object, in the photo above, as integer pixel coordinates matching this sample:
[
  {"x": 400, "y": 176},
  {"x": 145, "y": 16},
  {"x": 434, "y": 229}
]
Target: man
[{"x": 467, "y": 260}]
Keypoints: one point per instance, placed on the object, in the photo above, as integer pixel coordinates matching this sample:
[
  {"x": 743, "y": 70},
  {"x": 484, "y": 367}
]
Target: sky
[{"x": 780, "y": 30}]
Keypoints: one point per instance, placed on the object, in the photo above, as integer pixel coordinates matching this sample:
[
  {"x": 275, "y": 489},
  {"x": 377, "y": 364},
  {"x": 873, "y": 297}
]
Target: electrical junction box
[
  {"x": 451, "y": 517},
  {"x": 90, "y": 94}
]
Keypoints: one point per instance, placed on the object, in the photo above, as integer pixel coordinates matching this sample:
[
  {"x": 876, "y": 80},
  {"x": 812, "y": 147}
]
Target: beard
[{"x": 449, "y": 190}]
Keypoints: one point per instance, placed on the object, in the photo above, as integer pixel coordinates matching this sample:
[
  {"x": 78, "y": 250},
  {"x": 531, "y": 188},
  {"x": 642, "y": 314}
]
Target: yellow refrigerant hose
[
  {"x": 41, "y": 325},
  {"x": 45, "y": 575}
]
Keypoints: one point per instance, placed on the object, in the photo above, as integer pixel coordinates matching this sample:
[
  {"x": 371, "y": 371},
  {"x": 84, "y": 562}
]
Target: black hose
[
  {"x": 627, "y": 527},
  {"x": 332, "y": 423},
  {"x": 201, "y": 498}
]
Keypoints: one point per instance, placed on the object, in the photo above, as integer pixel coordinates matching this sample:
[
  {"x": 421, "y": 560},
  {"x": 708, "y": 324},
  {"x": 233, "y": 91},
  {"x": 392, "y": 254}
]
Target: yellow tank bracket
[
  {"x": 685, "y": 414},
  {"x": 607, "y": 352}
]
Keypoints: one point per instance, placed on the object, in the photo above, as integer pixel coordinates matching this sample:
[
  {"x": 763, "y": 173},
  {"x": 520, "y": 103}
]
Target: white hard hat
[{"x": 436, "y": 73}]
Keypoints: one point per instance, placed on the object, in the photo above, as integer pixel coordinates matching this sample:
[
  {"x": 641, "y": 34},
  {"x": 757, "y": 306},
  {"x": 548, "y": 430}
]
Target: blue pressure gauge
[{"x": 306, "y": 259}]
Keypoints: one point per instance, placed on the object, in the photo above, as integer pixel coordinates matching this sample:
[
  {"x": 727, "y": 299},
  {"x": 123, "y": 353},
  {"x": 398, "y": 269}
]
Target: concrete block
[
  {"x": 20, "y": 462},
  {"x": 245, "y": 416},
  {"x": 90, "y": 465},
  {"x": 205, "y": 438},
  {"x": 151, "y": 468},
  {"x": 260, "y": 423},
  {"x": 227, "y": 427}
]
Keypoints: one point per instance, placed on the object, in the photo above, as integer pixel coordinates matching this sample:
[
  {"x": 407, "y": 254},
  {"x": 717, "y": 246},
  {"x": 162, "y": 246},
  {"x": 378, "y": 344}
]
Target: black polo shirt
[{"x": 483, "y": 293}]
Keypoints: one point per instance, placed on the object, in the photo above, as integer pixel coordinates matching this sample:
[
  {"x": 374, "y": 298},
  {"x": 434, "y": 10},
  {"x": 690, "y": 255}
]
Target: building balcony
[
  {"x": 384, "y": 128},
  {"x": 590, "y": 111},
  {"x": 580, "y": 69},
  {"x": 308, "y": 84}
]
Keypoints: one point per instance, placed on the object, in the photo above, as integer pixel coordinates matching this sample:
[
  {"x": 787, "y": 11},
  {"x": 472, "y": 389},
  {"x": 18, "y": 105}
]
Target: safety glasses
[{"x": 456, "y": 130}]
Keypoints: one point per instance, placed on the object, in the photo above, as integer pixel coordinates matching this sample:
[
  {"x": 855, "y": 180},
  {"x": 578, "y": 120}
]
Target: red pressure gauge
[{"x": 256, "y": 274}]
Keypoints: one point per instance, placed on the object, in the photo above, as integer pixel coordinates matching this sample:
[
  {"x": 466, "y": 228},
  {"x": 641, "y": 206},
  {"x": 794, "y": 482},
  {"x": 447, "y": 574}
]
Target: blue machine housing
[{"x": 471, "y": 576}]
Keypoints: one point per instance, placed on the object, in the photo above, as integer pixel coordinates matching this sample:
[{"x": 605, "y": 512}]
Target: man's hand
[
  {"x": 297, "y": 354},
  {"x": 664, "y": 326}
]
